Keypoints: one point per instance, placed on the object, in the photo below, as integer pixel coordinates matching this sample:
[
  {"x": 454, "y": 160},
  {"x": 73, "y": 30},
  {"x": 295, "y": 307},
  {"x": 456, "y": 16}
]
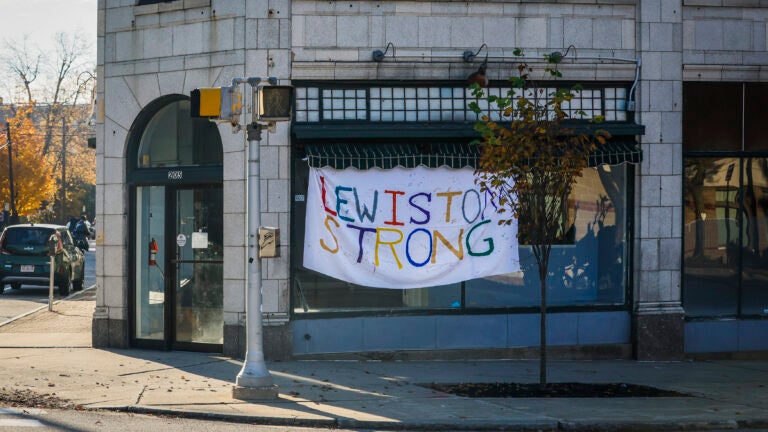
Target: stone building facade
[{"x": 151, "y": 56}]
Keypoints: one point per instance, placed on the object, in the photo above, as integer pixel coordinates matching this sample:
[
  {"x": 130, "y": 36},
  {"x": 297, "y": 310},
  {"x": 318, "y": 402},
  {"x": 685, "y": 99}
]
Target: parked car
[{"x": 24, "y": 258}]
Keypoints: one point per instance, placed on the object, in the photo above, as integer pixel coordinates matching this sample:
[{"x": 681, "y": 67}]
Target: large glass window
[
  {"x": 711, "y": 236},
  {"x": 725, "y": 258},
  {"x": 173, "y": 138},
  {"x": 588, "y": 268},
  {"x": 754, "y": 259}
]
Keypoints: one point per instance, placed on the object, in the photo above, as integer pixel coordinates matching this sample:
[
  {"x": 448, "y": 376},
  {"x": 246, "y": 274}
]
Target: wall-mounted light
[
  {"x": 480, "y": 76},
  {"x": 378, "y": 55}
]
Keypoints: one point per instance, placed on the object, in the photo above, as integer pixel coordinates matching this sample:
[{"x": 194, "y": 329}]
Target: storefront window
[
  {"x": 711, "y": 236},
  {"x": 588, "y": 268},
  {"x": 754, "y": 276},
  {"x": 725, "y": 261}
]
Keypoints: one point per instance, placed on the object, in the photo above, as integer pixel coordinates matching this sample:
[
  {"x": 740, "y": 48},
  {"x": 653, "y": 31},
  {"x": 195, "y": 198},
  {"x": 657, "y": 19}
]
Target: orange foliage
[{"x": 32, "y": 176}]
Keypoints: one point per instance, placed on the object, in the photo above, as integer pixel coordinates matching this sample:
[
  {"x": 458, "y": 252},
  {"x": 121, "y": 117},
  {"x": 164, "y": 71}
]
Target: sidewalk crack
[{"x": 138, "y": 399}]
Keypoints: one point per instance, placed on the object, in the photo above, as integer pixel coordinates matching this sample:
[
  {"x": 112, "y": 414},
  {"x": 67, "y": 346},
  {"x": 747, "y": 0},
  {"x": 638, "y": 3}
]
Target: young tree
[{"x": 530, "y": 159}]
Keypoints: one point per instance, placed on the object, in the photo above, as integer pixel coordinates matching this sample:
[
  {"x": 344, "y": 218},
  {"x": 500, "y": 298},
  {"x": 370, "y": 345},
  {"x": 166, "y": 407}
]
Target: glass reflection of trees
[{"x": 725, "y": 254}]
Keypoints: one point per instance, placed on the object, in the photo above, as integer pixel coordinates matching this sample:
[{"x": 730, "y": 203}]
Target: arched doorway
[{"x": 176, "y": 238}]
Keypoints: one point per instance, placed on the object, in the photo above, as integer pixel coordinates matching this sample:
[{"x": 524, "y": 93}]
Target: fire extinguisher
[{"x": 153, "y": 253}]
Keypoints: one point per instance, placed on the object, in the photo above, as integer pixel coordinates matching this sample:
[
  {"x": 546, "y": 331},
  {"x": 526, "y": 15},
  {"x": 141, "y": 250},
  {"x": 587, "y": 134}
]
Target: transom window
[
  {"x": 173, "y": 138},
  {"x": 326, "y": 103}
]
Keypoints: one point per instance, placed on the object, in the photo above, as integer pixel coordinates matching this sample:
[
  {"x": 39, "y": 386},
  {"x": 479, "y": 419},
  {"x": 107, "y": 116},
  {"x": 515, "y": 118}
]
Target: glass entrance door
[
  {"x": 198, "y": 267},
  {"x": 178, "y": 294},
  {"x": 149, "y": 277}
]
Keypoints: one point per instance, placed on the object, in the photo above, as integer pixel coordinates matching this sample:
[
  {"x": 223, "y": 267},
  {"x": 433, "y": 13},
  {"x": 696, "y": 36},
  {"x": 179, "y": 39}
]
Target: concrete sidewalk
[{"x": 48, "y": 353}]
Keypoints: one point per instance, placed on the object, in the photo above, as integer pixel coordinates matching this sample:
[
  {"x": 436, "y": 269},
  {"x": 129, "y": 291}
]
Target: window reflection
[
  {"x": 711, "y": 236},
  {"x": 754, "y": 277},
  {"x": 587, "y": 269}
]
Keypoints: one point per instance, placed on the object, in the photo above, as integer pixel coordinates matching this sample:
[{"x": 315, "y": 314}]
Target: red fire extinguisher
[{"x": 153, "y": 253}]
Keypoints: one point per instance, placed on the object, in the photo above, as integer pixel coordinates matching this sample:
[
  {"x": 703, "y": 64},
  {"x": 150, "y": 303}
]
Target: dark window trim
[
  {"x": 359, "y": 129},
  {"x": 517, "y": 310}
]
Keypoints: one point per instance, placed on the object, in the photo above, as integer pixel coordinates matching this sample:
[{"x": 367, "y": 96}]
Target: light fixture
[
  {"x": 557, "y": 56},
  {"x": 378, "y": 55},
  {"x": 479, "y": 77}
]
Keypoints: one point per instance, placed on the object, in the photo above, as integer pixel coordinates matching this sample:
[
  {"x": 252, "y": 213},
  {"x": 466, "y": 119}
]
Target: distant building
[{"x": 668, "y": 257}]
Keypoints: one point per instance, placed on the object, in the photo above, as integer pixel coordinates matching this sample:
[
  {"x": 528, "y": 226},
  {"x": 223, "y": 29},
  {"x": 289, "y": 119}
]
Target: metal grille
[{"x": 343, "y": 155}]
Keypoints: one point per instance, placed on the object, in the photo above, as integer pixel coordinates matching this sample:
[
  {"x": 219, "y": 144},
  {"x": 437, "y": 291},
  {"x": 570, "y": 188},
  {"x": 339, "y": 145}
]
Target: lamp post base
[{"x": 255, "y": 393}]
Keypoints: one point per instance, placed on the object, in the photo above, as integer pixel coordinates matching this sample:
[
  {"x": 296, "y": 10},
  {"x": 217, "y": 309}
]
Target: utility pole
[
  {"x": 14, "y": 217},
  {"x": 63, "y": 203}
]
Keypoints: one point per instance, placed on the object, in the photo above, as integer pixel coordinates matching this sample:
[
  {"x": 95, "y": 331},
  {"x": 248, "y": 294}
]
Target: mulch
[{"x": 551, "y": 390}]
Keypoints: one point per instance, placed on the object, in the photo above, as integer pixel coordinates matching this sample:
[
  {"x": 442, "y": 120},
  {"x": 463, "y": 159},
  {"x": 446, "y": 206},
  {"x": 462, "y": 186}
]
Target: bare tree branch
[{"x": 23, "y": 63}]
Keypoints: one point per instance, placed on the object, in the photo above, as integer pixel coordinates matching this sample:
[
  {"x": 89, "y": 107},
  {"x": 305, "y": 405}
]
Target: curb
[
  {"x": 335, "y": 422},
  {"x": 45, "y": 306},
  {"x": 553, "y": 425}
]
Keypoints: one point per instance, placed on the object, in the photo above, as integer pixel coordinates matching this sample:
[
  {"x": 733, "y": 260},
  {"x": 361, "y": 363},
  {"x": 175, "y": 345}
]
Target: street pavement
[{"x": 49, "y": 354}]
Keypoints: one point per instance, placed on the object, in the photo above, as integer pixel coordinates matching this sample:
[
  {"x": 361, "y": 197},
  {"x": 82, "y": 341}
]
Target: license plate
[{"x": 27, "y": 268}]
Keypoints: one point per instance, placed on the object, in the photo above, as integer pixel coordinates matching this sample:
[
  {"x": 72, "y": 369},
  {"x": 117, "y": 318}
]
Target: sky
[{"x": 42, "y": 20}]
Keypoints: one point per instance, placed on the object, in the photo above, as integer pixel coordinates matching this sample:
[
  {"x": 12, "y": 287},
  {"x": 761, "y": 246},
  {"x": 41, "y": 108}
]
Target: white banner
[{"x": 405, "y": 227}]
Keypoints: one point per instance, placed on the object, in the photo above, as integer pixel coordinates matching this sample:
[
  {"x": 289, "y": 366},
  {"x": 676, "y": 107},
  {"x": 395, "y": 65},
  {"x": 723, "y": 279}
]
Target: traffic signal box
[
  {"x": 275, "y": 103},
  {"x": 218, "y": 103},
  {"x": 205, "y": 102}
]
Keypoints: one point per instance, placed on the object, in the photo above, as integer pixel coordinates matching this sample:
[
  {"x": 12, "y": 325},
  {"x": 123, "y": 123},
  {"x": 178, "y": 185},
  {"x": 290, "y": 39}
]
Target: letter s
[{"x": 328, "y": 227}]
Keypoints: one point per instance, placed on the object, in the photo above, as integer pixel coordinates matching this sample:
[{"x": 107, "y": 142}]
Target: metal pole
[
  {"x": 13, "y": 216},
  {"x": 254, "y": 380},
  {"x": 64, "y": 213},
  {"x": 50, "y": 284}
]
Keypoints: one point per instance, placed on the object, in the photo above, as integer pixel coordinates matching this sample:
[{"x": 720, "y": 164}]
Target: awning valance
[{"x": 342, "y": 155}]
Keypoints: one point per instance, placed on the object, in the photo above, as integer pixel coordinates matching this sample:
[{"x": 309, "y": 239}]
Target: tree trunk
[{"x": 543, "y": 329}]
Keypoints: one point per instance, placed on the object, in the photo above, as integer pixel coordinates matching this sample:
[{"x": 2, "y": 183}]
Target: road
[
  {"x": 18, "y": 302},
  {"x": 33, "y": 420}
]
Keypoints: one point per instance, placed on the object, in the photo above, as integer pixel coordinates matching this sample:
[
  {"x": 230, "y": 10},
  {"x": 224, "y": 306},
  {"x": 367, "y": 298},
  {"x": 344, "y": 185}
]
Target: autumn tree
[
  {"x": 530, "y": 159},
  {"x": 33, "y": 179},
  {"x": 61, "y": 85}
]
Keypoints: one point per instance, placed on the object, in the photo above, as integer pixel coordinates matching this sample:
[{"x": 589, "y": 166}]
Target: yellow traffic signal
[{"x": 205, "y": 102}]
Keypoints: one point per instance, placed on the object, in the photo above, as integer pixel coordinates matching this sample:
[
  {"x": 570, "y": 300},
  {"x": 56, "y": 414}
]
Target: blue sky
[{"x": 42, "y": 19}]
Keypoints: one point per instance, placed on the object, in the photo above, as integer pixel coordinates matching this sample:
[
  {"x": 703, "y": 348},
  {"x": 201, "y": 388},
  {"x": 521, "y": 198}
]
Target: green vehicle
[{"x": 24, "y": 258}]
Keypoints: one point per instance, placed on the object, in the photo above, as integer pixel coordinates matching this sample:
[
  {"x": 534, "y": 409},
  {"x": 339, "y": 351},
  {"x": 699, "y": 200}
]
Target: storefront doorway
[
  {"x": 179, "y": 274},
  {"x": 176, "y": 271}
]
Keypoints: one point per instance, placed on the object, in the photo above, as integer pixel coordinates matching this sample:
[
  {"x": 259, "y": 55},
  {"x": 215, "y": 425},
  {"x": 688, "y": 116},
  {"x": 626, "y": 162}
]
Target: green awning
[{"x": 364, "y": 156}]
